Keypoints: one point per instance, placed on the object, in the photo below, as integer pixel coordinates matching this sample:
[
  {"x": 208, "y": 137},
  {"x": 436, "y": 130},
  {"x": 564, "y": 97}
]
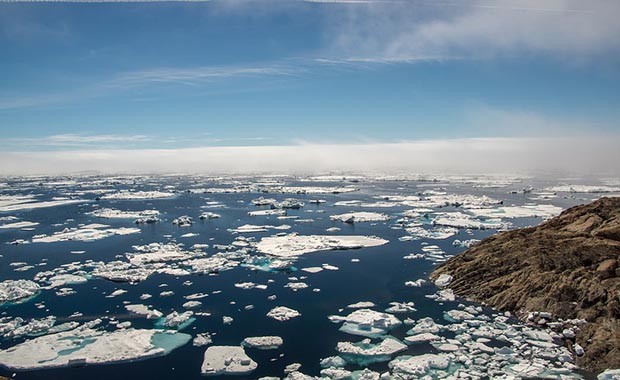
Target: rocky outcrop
[{"x": 568, "y": 266}]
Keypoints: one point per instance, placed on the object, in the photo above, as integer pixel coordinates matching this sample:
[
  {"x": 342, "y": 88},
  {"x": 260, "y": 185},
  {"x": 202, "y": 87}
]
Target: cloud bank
[{"x": 459, "y": 156}]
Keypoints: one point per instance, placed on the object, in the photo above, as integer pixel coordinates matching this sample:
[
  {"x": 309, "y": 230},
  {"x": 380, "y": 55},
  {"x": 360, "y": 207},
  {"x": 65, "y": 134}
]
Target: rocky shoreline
[{"x": 558, "y": 275}]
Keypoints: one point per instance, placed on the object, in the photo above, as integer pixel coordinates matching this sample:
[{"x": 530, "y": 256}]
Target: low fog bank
[{"x": 586, "y": 156}]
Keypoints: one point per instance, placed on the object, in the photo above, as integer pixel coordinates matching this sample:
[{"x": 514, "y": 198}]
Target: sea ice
[
  {"x": 89, "y": 232},
  {"x": 294, "y": 245},
  {"x": 263, "y": 342},
  {"x": 369, "y": 351},
  {"x": 17, "y": 291},
  {"x": 283, "y": 313},
  {"x": 144, "y": 311},
  {"x": 110, "y": 213},
  {"x": 23, "y": 224},
  {"x": 131, "y": 195},
  {"x": 84, "y": 346},
  {"x": 367, "y": 322},
  {"x": 227, "y": 360},
  {"x": 359, "y": 217}
]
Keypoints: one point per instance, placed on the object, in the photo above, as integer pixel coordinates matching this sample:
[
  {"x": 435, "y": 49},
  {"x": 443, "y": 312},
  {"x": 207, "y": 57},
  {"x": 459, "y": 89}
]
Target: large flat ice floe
[
  {"x": 583, "y": 189},
  {"x": 110, "y": 213},
  {"x": 360, "y": 217},
  {"x": 84, "y": 346},
  {"x": 9, "y": 203},
  {"x": 90, "y": 232},
  {"x": 460, "y": 220},
  {"x": 525, "y": 211},
  {"x": 294, "y": 245},
  {"x": 130, "y": 195},
  {"x": 227, "y": 360},
  {"x": 23, "y": 224}
]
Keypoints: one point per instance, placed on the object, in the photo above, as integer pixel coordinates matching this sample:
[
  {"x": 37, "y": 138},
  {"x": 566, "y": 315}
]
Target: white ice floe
[
  {"x": 269, "y": 212},
  {"x": 435, "y": 233},
  {"x": 66, "y": 279},
  {"x": 84, "y": 346},
  {"x": 86, "y": 233},
  {"x": 312, "y": 269},
  {"x": 227, "y": 360},
  {"x": 443, "y": 280},
  {"x": 413, "y": 367},
  {"x": 17, "y": 291},
  {"x": 367, "y": 322},
  {"x": 401, "y": 307},
  {"x": 361, "y": 305},
  {"x": 110, "y": 213},
  {"x": 250, "y": 228},
  {"x": 360, "y": 217},
  {"x": 416, "y": 284},
  {"x": 422, "y": 337},
  {"x": 144, "y": 311},
  {"x": 183, "y": 221},
  {"x": 525, "y": 211},
  {"x": 461, "y": 220},
  {"x": 177, "y": 320},
  {"x": 132, "y": 195},
  {"x": 202, "y": 339},
  {"x": 283, "y": 313},
  {"x": 295, "y": 286},
  {"x": 583, "y": 189},
  {"x": 263, "y": 342},
  {"x": 437, "y": 199},
  {"x": 294, "y": 245},
  {"x": 23, "y": 224},
  {"x": 365, "y": 348},
  {"x": 9, "y": 203}
]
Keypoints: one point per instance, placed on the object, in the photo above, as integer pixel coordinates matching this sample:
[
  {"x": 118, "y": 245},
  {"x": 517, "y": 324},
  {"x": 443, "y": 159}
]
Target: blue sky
[{"x": 235, "y": 73}]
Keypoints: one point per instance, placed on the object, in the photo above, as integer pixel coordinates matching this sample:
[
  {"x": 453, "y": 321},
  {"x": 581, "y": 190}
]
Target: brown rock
[{"x": 567, "y": 266}]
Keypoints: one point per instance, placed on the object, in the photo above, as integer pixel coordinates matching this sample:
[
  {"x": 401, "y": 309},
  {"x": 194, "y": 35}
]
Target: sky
[{"x": 86, "y": 82}]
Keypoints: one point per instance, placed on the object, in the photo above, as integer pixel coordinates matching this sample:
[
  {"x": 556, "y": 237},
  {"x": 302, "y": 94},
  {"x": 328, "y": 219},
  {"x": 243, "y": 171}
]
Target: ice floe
[
  {"x": 89, "y": 232},
  {"x": 263, "y": 342},
  {"x": 17, "y": 291},
  {"x": 294, "y": 245},
  {"x": 283, "y": 313},
  {"x": 360, "y": 217},
  {"x": 227, "y": 360},
  {"x": 367, "y": 322},
  {"x": 85, "y": 346},
  {"x": 132, "y": 195}
]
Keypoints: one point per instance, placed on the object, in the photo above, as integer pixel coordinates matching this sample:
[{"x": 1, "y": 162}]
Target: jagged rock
[{"x": 567, "y": 266}]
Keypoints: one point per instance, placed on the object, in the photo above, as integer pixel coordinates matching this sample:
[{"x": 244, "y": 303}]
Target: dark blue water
[{"x": 378, "y": 277}]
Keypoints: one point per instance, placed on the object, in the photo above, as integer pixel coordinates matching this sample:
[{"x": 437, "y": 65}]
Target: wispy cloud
[
  {"x": 196, "y": 75},
  {"x": 179, "y": 76},
  {"x": 75, "y": 141},
  {"x": 72, "y": 140},
  {"x": 406, "y": 31}
]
